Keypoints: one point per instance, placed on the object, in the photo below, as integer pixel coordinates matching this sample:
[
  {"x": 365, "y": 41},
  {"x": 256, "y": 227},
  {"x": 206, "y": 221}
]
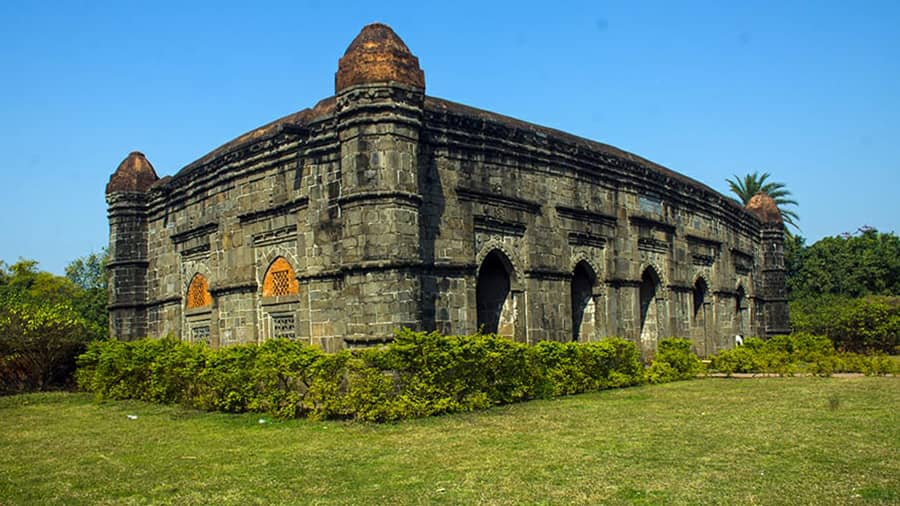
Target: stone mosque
[{"x": 382, "y": 207}]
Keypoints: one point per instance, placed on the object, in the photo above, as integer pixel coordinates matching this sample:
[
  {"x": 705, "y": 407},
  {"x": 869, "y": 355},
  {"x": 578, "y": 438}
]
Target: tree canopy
[
  {"x": 46, "y": 320},
  {"x": 850, "y": 265}
]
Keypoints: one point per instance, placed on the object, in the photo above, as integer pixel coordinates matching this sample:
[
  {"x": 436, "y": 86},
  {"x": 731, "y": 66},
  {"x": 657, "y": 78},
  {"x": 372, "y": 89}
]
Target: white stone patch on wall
[{"x": 508, "y": 315}]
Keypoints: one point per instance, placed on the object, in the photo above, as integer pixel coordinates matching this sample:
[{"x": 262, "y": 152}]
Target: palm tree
[{"x": 751, "y": 184}]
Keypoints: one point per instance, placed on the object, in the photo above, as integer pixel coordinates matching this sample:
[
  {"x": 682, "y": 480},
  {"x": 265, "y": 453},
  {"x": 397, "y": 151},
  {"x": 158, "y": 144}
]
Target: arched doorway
[
  {"x": 649, "y": 311},
  {"x": 492, "y": 295},
  {"x": 583, "y": 310},
  {"x": 740, "y": 312},
  {"x": 699, "y": 318}
]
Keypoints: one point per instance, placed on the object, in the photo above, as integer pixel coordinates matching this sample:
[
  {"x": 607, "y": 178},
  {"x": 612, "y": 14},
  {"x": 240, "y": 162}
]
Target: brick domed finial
[
  {"x": 765, "y": 208},
  {"x": 134, "y": 174},
  {"x": 378, "y": 55}
]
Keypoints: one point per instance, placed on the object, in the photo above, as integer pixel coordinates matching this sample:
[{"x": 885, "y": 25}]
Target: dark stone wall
[{"x": 386, "y": 203}]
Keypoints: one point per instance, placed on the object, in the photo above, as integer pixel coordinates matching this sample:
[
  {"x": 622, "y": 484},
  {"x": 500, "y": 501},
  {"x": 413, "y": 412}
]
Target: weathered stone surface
[
  {"x": 134, "y": 174},
  {"x": 765, "y": 208},
  {"x": 397, "y": 209},
  {"x": 378, "y": 55}
]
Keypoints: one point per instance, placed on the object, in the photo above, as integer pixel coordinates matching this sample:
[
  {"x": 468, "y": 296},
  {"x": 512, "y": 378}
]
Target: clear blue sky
[{"x": 809, "y": 91}]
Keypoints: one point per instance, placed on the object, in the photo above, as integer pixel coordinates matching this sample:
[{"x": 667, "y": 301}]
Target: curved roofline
[
  {"x": 303, "y": 117},
  {"x": 326, "y": 107},
  {"x": 592, "y": 145}
]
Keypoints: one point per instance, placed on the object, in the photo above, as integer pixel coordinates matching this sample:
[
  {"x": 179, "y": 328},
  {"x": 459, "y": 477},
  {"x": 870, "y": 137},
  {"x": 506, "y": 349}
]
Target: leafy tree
[
  {"x": 46, "y": 320},
  {"x": 24, "y": 277},
  {"x": 39, "y": 341},
  {"x": 794, "y": 249},
  {"x": 865, "y": 324},
  {"x": 89, "y": 274},
  {"x": 751, "y": 184},
  {"x": 866, "y": 263}
]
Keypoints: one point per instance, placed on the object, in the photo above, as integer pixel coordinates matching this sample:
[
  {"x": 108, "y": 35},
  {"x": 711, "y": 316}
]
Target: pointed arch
[
  {"x": 198, "y": 295},
  {"x": 700, "y": 318},
  {"x": 701, "y": 290},
  {"x": 280, "y": 279},
  {"x": 493, "y": 300},
  {"x": 507, "y": 255},
  {"x": 583, "y": 280},
  {"x": 649, "y": 288},
  {"x": 741, "y": 311}
]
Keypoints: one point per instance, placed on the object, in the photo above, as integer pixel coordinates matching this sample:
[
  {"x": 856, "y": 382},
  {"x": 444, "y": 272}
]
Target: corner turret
[
  {"x": 773, "y": 272},
  {"x": 127, "y": 266},
  {"x": 378, "y": 55},
  {"x": 134, "y": 174}
]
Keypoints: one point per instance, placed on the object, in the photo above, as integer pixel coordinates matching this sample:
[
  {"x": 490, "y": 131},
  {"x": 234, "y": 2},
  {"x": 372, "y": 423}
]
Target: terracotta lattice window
[
  {"x": 280, "y": 279},
  {"x": 198, "y": 293}
]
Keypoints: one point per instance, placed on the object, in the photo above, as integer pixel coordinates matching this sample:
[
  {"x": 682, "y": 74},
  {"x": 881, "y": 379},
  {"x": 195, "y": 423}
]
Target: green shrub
[
  {"x": 571, "y": 368},
  {"x": 281, "y": 373},
  {"x": 155, "y": 370},
  {"x": 863, "y": 325},
  {"x": 441, "y": 374},
  {"x": 785, "y": 355},
  {"x": 674, "y": 360},
  {"x": 743, "y": 359},
  {"x": 419, "y": 374},
  {"x": 871, "y": 365},
  {"x": 800, "y": 352}
]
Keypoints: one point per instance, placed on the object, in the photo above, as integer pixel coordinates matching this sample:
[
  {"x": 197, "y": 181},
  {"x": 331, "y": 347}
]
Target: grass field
[{"x": 713, "y": 441}]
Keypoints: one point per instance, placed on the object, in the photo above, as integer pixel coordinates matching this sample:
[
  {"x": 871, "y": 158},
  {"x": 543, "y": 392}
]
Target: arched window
[
  {"x": 649, "y": 319},
  {"x": 583, "y": 279},
  {"x": 198, "y": 293},
  {"x": 492, "y": 292},
  {"x": 280, "y": 279},
  {"x": 700, "y": 320}
]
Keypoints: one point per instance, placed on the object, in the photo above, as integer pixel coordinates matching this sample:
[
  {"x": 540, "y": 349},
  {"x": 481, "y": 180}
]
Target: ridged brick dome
[
  {"x": 378, "y": 55},
  {"x": 765, "y": 208},
  {"x": 135, "y": 174}
]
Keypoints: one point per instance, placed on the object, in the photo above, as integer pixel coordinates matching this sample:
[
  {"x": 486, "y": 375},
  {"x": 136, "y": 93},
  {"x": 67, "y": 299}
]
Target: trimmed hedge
[
  {"x": 799, "y": 352},
  {"x": 675, "y": 360},
  {"x": 423, "y": 374},
  {"x": 418, "y": 374}
]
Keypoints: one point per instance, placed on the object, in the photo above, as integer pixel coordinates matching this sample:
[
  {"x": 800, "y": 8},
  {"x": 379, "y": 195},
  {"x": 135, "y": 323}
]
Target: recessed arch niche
[
  {"x": 495, "y": 305},
  {"x": 583, "y": 305}
]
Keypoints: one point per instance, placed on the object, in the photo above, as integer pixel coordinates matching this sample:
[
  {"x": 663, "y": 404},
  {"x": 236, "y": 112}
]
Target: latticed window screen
[
  {"x": 201, "y": 334},
  {"x": 283, "y": 326},
  {"x": 198, "y": 293},
  {"x": 195, "y": 296},
  {"x": 281, "y": 282},
  {"x": 280, "y": 279}
]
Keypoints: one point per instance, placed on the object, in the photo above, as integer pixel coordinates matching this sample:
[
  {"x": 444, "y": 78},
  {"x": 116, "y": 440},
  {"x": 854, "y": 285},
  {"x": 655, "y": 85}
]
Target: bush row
[
  {"x": 418, "y": 374},
  {"x": 422, "y": 374},
  {"x": 799, "y": 352},
  {"x": 867, "y": 324}
]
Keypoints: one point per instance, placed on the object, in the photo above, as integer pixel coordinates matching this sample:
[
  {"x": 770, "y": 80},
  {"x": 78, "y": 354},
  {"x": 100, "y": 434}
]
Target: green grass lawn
[{"x": 713, "y": 441}]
